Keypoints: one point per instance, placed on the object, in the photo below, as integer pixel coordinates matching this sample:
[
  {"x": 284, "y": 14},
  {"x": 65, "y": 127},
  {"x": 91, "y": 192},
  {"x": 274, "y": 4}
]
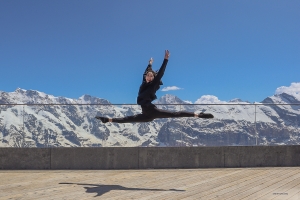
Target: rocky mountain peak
[
  {"x": 237, "y": 100},
  {"x": 282, "y": 98},
  {"x": 169, "y": 99},
  {"x": 289, "y": 98},
  {"x": 92, "y": 100},
  {"x": 19, "y": 90}
]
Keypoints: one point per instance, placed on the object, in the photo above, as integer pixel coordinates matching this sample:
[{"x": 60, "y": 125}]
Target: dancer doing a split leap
[{"x": 151, "y": 83}]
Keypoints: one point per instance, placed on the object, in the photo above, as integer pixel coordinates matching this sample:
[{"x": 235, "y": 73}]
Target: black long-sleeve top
[{"x": 147, "y": 90}]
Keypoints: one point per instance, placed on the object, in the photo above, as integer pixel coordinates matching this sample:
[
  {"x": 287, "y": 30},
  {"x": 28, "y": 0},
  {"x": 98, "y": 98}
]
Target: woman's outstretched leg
[
  {"x": 128, "y": 119},
  {"x": 152, "y": 112},
  {"x": 159, "y": 113},
  {"x": 133, "y": 118}
]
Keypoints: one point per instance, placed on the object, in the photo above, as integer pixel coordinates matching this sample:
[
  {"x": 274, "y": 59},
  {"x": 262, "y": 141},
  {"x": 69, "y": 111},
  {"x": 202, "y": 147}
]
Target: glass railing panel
[
  {"x": 240, "y": 124},
  {"x": 64, "y": 125},
  {"x": 168, "y": 131},
  {"x": 278, "y": 124},
  {"x": 45, "y": 125},
  {"x": 233, "y": 125},
  {"x": 122, "y": 134},
  {"x": 11, "y": 126}
]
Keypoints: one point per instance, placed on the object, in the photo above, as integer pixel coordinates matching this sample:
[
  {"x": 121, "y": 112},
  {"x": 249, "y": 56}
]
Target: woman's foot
[
  {"x": 205, "y": 115},
  {"x": 103, "y": 119}
]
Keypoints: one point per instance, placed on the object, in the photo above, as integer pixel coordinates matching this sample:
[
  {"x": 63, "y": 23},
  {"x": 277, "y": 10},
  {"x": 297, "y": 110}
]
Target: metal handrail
[{"x": 93, "y": 104}]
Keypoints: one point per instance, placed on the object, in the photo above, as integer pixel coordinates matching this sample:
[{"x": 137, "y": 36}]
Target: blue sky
[{"x": 229, "y": 49}]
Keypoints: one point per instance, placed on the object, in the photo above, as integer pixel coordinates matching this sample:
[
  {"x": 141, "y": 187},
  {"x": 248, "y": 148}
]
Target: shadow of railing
[{"x": 74, "y": 125}]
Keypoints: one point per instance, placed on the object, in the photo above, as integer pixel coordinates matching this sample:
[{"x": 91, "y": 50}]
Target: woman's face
[{"x": 149, "y": 77}]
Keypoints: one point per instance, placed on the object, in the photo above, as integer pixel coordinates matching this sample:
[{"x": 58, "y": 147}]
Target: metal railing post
[
  {"x": 181, "y": 133},
  {"x": 255, "y": 125}
]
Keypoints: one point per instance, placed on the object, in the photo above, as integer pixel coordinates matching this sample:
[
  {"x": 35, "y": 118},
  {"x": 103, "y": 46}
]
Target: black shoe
[
  {"x": 103, "y": 119},
  {"x": 205, "y": 115}
]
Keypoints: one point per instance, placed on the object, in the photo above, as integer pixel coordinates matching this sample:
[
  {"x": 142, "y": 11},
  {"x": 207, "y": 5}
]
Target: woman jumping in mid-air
[{"x": 151, "y": 83}]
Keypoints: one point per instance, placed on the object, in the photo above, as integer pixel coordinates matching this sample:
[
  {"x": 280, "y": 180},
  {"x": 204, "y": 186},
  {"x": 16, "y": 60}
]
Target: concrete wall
[{"x": 149, "y": 157}]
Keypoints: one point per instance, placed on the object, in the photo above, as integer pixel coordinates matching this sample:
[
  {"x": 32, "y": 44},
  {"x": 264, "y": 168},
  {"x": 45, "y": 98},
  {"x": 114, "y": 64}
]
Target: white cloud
[
  {"x": 165, "y": 89},
  {"x": 208, "y": 99},
  {"x": 293, "y": 89}
]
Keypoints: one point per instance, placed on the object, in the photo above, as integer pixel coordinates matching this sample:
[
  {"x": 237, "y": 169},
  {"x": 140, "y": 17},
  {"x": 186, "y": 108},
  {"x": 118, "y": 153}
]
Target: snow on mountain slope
[{"x": 236, "y": 123}]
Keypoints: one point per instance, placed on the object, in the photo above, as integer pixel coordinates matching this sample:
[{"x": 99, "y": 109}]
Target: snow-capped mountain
[{"x": 61, "y": 121}]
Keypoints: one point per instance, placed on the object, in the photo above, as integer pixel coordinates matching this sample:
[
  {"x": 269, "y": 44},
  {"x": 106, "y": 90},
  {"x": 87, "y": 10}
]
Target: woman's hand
[
  {"x": 150, "y": 61},
  {"x": 167, "y": 54}
]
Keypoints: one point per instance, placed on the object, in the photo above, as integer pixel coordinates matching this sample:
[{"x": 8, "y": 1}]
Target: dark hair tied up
[{"x": 153, "y": 72}]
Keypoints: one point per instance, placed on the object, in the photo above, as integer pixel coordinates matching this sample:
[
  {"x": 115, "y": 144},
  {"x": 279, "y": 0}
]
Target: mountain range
[{"x": 43, "y": 120}]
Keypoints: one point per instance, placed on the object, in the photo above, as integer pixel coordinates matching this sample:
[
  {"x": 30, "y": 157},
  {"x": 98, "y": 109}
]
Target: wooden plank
[
  {"x": 249, "y": 189},
  {"x": 225, "y": 183},
  {"x": 270, "y": 186},
  {"x": 178, "y": 183},
  {"x": 222, "y": 185}
]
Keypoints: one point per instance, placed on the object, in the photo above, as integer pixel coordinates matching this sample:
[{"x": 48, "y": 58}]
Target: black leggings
[{"x": 150, "y": 113}]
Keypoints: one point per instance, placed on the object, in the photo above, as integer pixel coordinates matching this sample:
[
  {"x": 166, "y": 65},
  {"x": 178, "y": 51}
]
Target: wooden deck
[{"x": 215, "y": 183}]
